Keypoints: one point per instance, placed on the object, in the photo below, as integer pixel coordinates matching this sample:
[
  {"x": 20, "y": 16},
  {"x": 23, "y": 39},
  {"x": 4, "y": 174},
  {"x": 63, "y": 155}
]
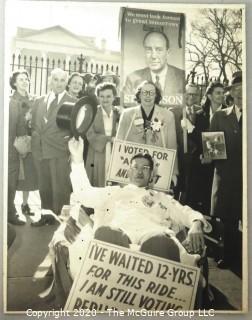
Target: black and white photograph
[
  {"x": 152, "y": 43},
  {"x": 214, "y": 146},
  {"x": 125, "y": 159}
]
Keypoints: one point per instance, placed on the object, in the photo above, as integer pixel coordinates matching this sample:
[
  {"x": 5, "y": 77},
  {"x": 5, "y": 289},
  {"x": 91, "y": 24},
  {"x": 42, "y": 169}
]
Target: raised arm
[{"x": 86, "y": 194}]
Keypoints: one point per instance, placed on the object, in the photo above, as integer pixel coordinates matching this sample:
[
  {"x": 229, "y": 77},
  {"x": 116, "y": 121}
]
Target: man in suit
[
  {"x": 189, "y": 162},
  {"x": 169, "y": 79},
  {"x": 49, "y": 147},
  {"x": 226, "y": 202}
]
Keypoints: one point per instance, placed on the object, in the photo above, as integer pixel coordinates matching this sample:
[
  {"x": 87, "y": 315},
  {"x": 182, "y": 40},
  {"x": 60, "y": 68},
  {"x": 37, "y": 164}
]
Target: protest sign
[
  {"x": 122, "y": 153},
  {"x": 153, "y": 48},
  {"x": 113, "y": 277}
]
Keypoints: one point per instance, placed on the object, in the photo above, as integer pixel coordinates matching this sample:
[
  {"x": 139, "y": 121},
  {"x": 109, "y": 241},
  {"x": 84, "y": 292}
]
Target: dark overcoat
[{"x": 226, "y": 199}]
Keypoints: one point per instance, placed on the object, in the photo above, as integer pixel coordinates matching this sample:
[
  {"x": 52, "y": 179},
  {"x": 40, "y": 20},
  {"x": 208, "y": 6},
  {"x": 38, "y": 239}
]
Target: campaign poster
[
  {"x": 120, "y": 162},
  {"x": 153, "y": 49},
  {"x": 117, "y": 278}
]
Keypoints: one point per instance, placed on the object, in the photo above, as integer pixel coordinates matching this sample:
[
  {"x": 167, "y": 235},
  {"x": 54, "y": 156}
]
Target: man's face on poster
[
  {"x": 140, "y": 172},
  {"x": 156, "y": 52}
]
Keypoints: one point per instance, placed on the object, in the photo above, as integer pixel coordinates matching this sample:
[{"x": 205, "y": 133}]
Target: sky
[
  {"x": 89, "y": 19},
  {"x": 97, "y": 19}
]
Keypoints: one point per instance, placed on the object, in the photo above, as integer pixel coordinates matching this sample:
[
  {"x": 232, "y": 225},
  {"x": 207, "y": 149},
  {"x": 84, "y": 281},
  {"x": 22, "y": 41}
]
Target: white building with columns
[{"x": 41, "y": 47}]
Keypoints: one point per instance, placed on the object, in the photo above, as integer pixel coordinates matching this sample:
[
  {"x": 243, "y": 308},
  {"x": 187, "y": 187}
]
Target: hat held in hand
[{"x": 77, "y": 117}]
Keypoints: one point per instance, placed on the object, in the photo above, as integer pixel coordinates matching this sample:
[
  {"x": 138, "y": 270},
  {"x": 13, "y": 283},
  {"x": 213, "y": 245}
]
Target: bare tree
[{"x": 215, "y": 41}]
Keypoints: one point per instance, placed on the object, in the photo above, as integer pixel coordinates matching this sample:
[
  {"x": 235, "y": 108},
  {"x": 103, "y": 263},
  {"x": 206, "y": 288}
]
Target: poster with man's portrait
[{"x": 153, "y": 49}]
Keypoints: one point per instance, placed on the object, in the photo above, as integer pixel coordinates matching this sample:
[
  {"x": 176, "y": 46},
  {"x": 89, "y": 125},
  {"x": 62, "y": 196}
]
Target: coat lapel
[
  {"x": 147, "y": 75},
  {"x": 53, "y": 112},
  {"x": 157, "y": 113},
  {"x": 115, "y": 121},
  {"x": 99, "y": 123},
  {"x": 43, "y": 111},
  {"x": 231, "y": 115}
]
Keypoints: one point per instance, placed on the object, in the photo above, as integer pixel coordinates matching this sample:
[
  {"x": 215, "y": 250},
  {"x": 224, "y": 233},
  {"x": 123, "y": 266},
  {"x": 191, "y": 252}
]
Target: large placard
[
  {"x": 153, "y": 45},
  {"x": 122, "y": 153},
  {"x": 113, "y": 277}
]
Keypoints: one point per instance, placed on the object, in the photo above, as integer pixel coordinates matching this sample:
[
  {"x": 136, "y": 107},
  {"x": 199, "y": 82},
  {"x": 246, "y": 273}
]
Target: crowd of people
[{"x": 39, "y": 149}]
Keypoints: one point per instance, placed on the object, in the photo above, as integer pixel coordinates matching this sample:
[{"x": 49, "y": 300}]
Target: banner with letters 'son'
[
  {"x": 152, "y": 49},
  {"x": 122, "y": 153},
  {"x": 113, "y": 277}
]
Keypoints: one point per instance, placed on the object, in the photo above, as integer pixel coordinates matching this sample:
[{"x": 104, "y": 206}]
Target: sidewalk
[{"x": 30, "y": 248}]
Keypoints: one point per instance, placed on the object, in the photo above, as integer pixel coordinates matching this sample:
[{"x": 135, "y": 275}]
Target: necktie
[
  {"x": 52, "y": 105},
  {"x": 191, "y": 115},
  {"x": 158, "y": 85}
]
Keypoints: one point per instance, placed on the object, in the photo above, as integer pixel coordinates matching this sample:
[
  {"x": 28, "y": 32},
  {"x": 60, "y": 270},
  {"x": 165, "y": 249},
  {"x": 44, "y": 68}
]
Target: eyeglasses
[
  {"x": 192, "y": 94},
  {"x": 142, "y": 168},
  {"x": 150, "y": 93}
]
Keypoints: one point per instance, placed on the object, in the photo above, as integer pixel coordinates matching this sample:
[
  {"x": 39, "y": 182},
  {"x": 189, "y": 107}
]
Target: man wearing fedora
[
  {"x": 50, "y": 149},
  {"x": 226, "y": 202}
]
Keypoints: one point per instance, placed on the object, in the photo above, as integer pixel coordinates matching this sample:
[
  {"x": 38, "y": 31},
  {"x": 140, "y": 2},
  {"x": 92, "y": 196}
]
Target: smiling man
[
  {"x": 134, "y": 214},
  {"x": 169, "y": 79},
  {"x": 49, "y": 148}
]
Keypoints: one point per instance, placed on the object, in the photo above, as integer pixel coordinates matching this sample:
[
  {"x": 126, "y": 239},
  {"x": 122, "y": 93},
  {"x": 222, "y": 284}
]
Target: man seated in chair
[{"x": 135, "y": 214}]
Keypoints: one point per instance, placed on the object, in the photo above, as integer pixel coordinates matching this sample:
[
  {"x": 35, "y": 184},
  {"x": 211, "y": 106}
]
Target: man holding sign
[{"x": 134, "y": 214}]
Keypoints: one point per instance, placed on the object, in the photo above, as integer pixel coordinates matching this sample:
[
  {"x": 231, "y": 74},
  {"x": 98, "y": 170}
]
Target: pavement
[{"x": 31, "y": 246}]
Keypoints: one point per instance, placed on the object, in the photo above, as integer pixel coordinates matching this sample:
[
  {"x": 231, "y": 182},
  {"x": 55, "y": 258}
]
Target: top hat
[
  {"x": 78, "y": 117},
  {"x": 236, "y": 79}
]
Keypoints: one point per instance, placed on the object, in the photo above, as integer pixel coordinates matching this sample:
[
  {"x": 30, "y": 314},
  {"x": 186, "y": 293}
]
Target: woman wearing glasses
[{"x": 148, "y": 123}]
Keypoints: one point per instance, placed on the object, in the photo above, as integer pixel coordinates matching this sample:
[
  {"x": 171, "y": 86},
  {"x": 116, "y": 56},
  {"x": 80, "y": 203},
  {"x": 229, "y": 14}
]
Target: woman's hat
[{"x": 77, "y": 117}]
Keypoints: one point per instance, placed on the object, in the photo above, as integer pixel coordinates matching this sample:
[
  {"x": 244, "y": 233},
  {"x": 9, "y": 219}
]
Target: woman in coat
[
  {"x": 148, "y": 123},
  {"x": 101, "y": 135},
  {"x": 21, "y": 171}
]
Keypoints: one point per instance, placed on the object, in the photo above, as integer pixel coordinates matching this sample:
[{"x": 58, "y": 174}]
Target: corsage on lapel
[{"x": 152, "y": 128}]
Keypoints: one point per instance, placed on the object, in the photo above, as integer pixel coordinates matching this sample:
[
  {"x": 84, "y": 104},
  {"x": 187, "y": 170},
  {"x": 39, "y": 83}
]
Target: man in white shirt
[
  {"x": 50, "y": 149},
  {"x": 135, "y": 214}
]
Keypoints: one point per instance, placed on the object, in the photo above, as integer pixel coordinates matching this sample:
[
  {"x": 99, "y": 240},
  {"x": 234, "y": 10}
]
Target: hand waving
[{"x": 76, "y": 148}]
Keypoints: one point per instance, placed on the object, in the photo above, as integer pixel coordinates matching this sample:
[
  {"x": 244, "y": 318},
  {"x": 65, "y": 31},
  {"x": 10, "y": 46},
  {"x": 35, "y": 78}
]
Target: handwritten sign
[
  {"x": 113, "y": 277},
  {"x": 122, "y": 153}
]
